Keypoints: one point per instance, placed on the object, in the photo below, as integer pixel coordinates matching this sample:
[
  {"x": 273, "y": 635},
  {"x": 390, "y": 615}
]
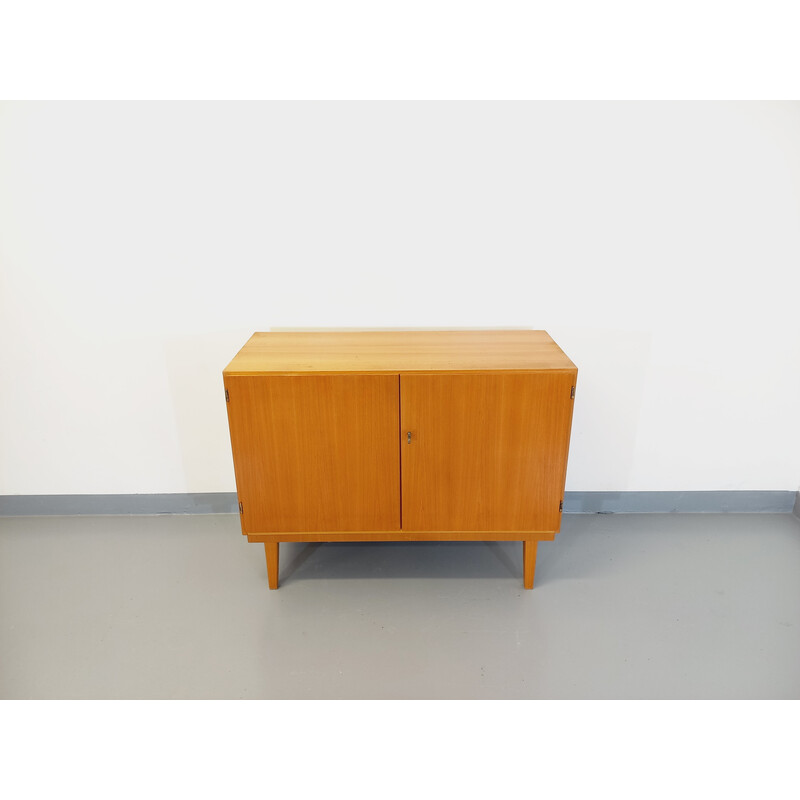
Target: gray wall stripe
[
  {"x": 691, "y": 502},
  {"x": 574, "y": 503},
  {"x": 67, "y": 504}
]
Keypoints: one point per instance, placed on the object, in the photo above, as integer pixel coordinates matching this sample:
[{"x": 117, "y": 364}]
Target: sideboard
[{"x": 400, "y": 436}]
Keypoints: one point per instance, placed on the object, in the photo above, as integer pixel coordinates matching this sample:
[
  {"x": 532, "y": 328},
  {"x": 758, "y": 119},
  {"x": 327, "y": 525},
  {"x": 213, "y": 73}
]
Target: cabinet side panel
[
  {"x": 487, "y": 452},
  {"x": 316, "y": 452}
]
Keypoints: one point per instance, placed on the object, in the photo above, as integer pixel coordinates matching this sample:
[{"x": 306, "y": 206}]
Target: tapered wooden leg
[
  {"x": 528, "y": 563},
  {"x": 271, "y": 549}
]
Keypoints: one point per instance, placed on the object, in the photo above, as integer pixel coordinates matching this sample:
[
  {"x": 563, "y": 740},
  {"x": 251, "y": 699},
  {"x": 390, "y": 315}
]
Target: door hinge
[
  {"x": 241, "y": 508},
  {"x": 560, "y": 505},
  {"x": 572, "y": 393},
  {"x": 227, "y": 397}
]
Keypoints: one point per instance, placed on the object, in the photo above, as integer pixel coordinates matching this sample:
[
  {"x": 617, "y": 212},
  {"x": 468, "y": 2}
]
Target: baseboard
[
  {"x": 774, "y": 502},
  {"x": 711, "y": 502},
  {"x": 78, "y": 504}
]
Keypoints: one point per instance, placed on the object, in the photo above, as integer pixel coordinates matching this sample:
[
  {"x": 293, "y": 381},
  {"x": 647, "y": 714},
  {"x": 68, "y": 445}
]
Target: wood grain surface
[
  {"x": 487, "y": 452},
  {"x": 397, "y": 351},
  {"x": 316, "y": 452}
]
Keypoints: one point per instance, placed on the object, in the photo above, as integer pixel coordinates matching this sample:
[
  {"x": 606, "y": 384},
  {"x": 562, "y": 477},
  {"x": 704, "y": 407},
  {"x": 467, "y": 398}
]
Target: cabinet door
[
  {"x": 488, "y": 452},
  {"x": 316, "y": 453}
]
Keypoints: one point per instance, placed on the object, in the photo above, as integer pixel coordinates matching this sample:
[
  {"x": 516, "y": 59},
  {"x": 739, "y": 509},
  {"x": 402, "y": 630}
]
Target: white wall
[{"x": 141, "y": 244}]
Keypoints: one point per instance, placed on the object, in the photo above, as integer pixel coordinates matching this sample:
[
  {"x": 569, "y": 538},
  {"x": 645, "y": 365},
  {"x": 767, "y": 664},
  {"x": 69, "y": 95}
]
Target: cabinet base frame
[{"x": 529, "y": 539}]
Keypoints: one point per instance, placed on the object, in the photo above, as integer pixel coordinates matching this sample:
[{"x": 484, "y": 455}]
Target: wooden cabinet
[{"x": 413, "y": 435}]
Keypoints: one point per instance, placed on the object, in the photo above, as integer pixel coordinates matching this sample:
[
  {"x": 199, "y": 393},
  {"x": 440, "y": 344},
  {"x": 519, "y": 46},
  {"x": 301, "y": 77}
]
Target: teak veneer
[{"x": 392, "y": 436}]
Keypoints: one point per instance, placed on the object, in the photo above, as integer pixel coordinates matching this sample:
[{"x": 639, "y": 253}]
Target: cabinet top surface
[{"x": 294, "y": 353}]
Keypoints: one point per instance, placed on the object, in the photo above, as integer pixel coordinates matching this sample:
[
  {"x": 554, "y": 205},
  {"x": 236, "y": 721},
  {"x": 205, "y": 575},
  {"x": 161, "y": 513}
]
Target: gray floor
[{"x": 624, "y": 606}]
